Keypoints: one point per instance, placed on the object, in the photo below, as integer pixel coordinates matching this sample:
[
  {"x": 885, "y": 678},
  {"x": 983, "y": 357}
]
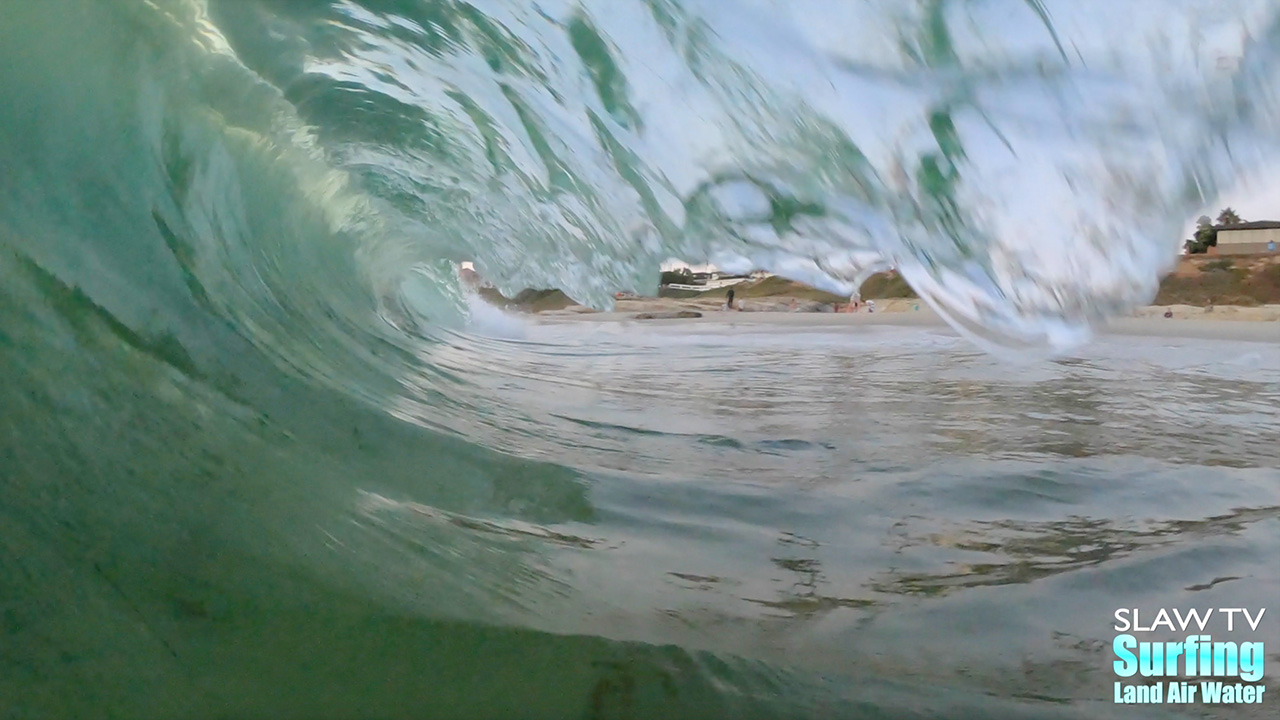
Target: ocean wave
[{"x": 242, "y": 378}]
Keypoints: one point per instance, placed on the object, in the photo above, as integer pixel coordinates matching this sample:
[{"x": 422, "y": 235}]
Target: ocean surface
[{"x": 263, "y": 456}]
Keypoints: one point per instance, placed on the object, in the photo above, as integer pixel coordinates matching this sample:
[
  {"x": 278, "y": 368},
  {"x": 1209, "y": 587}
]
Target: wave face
[
  {"x": 244, "y": 398},
  {"x": 1027, "y": 165}
]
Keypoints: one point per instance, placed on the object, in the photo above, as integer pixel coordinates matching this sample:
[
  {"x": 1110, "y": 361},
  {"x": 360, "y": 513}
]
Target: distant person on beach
[
  {"x": 871, "y": 306},
  {"x": 728, "y": 303}
]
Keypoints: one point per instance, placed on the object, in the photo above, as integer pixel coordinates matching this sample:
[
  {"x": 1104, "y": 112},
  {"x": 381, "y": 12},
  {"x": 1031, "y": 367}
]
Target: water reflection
[
  {"x": 1010, "y": 552},
  {"x": 802, "y": 597},
  {"x": 795, "y": 408},
  {"x": 891, "y": 501}
]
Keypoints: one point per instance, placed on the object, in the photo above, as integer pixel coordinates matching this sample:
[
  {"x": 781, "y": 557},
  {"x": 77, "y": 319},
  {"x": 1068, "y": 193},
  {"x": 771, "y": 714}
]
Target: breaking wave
[
  {"x": 302, "y": 169},
  {"x": 230, "y": 232}
]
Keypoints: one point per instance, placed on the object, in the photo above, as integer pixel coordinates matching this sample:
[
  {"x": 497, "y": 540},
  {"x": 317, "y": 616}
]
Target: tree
[
  {"x": 1207, "y": 232},
  {"x": 682, "y": 276},
  {"x": 1228, "y": 216},
  {"x": 1206, "y": 237}
]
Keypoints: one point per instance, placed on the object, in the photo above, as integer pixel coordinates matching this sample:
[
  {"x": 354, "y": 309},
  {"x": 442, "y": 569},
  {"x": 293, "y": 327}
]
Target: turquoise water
[{"x": 260, "y": 455}]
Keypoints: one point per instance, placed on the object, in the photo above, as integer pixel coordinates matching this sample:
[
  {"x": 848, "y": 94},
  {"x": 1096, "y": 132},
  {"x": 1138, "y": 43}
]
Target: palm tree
[{"x": 1229, "y": 216}]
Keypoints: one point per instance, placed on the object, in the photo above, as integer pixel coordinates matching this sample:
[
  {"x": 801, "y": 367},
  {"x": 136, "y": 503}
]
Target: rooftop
[{"x": 1257, "y": 225}]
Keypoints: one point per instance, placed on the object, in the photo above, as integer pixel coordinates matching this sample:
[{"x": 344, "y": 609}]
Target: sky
[
  {"x": 1256, "y": 201},
  {"x": 674, "y": 264}
]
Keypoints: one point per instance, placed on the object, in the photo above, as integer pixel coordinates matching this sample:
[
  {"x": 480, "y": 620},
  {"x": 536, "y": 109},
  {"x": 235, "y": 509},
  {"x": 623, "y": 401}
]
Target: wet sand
[{"x": 1242, "y": 324}]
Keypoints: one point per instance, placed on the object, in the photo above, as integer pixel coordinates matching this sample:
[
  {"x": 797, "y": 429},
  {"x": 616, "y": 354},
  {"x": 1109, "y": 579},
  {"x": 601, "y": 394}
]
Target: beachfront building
[{"x": 1248, "y": 238}]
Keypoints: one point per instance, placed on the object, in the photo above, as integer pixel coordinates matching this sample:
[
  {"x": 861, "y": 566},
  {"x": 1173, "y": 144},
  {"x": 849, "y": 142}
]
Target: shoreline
[
  {"x": 1223, "y": 323},
  {"x": 788, "y": 305}
]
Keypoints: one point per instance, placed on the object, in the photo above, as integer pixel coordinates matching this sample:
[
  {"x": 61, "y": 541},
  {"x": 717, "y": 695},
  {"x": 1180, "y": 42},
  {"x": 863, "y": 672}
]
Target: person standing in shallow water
[{"x": 728, "y": 303}]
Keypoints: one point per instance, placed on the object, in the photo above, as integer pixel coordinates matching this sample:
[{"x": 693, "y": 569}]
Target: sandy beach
[
  {"x": 1206, "y": 297},
  {"x": 1255, "y": 324}
]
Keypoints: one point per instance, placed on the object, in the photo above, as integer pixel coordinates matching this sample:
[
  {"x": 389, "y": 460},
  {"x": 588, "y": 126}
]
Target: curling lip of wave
[
  {"x": 311, "y": 167},
  {"x": 1026, "y": 189}
]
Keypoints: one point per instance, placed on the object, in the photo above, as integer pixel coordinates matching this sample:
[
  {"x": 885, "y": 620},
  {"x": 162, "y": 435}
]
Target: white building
[{"x": 1248, "y": 238}]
